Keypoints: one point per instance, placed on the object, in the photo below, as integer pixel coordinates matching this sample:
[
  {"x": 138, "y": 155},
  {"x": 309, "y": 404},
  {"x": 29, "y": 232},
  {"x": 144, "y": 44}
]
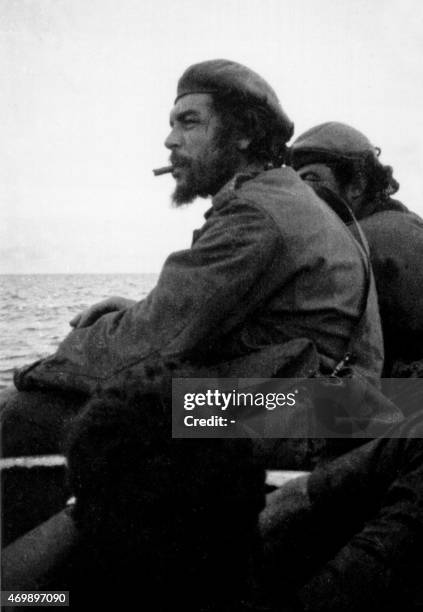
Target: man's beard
[{"x": 204, "y": 177}]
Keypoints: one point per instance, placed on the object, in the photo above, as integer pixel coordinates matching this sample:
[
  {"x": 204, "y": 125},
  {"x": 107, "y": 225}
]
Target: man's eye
[{"x": 189, "y": 123}]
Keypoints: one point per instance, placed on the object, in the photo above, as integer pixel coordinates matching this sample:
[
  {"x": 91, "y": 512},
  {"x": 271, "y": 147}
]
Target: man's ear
[{"x": 358, "y": 187}]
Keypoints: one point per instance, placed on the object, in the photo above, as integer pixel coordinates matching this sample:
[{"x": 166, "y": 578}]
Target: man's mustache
[{"x": 179, "y": 161}]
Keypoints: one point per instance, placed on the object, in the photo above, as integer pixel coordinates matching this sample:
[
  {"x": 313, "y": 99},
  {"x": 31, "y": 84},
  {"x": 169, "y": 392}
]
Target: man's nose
[{"x": 173, "y": 140}]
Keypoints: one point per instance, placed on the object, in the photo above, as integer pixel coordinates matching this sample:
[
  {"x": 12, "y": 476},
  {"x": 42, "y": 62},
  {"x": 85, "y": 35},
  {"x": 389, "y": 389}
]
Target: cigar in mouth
[{"x": 163, "y": 170}]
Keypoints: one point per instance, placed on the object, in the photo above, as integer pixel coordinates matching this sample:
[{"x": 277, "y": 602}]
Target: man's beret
[
  {"x": 224, "y": 76},
  {"x": 329, "y": 142}
]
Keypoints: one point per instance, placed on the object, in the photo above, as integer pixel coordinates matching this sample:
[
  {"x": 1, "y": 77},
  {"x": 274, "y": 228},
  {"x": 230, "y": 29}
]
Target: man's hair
[
  {"x": 241, "y": 115},
  {"x": 380, "y": 183},
  {"x": 168, "y": 515}
]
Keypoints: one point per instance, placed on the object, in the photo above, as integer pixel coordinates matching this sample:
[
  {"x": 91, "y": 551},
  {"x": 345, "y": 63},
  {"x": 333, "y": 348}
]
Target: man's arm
[
  {"x": 349, "y": 535},
  {"x": 202, "y": 294},
  {"x": 376, "y": 492}
]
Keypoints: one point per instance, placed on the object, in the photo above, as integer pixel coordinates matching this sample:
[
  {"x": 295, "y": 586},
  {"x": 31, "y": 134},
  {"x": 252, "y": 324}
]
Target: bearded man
[
  {"x": 271, "y": 265},
  {"x": 341, "y": 164}
]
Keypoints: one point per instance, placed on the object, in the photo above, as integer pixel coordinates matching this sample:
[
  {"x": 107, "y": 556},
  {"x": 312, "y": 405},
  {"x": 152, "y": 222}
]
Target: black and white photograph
[{"x": 211, "y": 305}]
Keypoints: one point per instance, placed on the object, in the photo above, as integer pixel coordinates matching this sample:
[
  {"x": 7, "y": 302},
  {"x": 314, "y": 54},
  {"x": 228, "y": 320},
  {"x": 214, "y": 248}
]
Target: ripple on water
[{"x": 35, "y": 310}]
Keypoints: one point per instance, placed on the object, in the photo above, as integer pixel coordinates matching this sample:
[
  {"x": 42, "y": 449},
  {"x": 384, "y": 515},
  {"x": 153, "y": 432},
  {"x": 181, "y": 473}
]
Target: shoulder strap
[{"x": 341, "y": 208}]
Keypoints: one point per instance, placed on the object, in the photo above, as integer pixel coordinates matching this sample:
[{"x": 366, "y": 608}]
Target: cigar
[{"x": 163, "y": 170}]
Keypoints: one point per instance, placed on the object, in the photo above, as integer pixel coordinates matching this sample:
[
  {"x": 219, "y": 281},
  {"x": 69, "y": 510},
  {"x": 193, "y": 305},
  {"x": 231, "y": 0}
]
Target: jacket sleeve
[
  {"x": 201, "y": 294},
  {"x": 377, "y": 492}
]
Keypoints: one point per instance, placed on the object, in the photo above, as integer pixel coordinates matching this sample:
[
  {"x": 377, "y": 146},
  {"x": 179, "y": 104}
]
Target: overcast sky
[{"x": 87, "y": 86}]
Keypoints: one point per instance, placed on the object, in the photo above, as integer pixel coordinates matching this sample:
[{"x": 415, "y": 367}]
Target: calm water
[{"x": 35, "y": 310}]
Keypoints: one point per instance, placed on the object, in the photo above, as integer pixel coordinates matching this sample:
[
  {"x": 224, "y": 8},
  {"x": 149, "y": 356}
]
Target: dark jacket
[
  {"x": 271, "y": 263},
  {"x": 396, "y": 248},
  {"x": 395, "y": 238}
]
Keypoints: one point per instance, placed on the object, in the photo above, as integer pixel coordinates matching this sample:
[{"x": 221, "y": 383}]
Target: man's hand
[{"x": 91, "y": 314}]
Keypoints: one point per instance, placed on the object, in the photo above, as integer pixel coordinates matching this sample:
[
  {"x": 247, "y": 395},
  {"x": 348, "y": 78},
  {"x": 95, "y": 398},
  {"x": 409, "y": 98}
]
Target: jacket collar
[
  {"x": 228, "y": 190},
  {"x": 341, "y": 207}
]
